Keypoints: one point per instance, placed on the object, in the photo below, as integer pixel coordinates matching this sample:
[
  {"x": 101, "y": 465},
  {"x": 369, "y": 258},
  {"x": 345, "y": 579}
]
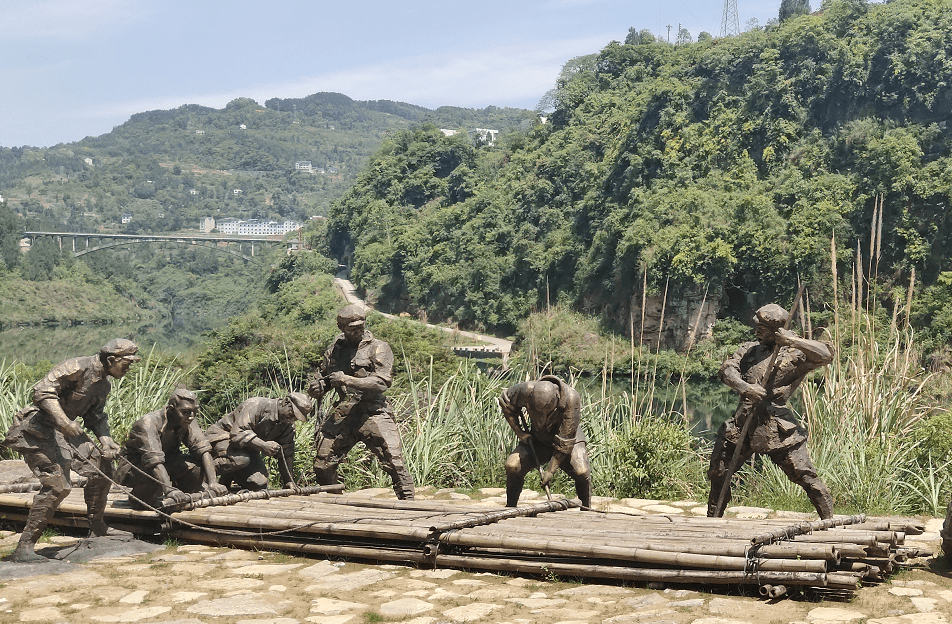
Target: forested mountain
[
  {"x": 169, "y": 168},
  {"x": 722, "y": 167}
]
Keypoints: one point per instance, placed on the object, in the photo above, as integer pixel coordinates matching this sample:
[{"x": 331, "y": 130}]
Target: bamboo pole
[
  {"x": 34, "y": 486},
  {"x": 514, "y": 512},
  {"x": 231, "y": 499},
  {"x": 715, "y": 577},
  {"x": 639, "y": 555}
]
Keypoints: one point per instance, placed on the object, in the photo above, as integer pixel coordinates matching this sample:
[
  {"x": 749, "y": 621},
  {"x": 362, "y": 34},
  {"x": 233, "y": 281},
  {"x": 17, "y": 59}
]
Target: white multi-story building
[
  {"x": 256, "y": 227},
  {"x": 206, "y": 225}
]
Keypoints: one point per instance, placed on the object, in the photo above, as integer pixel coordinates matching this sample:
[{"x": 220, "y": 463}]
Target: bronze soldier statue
[
  {"x": 553, "y": 434},
  {"x": 776, "y": 433},
  {"x": 152, "y": 462},
  {"x": 259, "y": 425},
  {"x": 49, "y": 438},
  {"x": 360, "y": 368}
]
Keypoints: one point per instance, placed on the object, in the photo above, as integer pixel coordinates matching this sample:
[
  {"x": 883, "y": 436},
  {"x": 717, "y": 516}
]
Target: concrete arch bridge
[{"x": 240, "y": 246}]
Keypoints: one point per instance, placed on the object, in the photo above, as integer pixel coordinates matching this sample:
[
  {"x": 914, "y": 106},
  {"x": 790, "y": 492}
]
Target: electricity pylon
[{"x": 730, "y": 24}]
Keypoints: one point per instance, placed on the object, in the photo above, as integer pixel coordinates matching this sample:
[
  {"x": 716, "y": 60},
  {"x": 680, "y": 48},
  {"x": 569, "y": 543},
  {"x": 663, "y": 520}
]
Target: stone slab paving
[{"x": 195, "y": 584}]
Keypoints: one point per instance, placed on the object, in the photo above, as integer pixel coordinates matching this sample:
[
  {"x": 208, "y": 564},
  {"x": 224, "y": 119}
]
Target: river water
[{"x": 54, "y": 343}]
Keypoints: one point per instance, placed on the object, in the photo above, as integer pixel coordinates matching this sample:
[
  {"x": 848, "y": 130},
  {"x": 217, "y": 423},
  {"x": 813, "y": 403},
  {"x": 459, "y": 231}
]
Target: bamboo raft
[{"x": 554, "y": 537}]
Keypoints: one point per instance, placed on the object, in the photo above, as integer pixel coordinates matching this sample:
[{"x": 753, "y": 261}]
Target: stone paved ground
[{"x": 190, "y": 584}]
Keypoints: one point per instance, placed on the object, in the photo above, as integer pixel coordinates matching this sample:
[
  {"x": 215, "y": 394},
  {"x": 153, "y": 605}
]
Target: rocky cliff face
[{"x": 679, "y": 321}]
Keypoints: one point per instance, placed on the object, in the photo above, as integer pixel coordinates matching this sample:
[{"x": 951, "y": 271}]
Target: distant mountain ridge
[{"x": 168, "y": 168}]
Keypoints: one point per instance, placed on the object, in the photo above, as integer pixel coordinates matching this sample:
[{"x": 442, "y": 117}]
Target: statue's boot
[
  {"x": 41, "y": 513},
  {"x": 583, "y": 489},
  {"x": 514, "y": 484},
  {"x": 946, "y": 534},
  {"x": 819, "y": 496},
  {"x": 402, "y": 482},
  {"x": 713, "y": 511},
  {"x": 96, "y": 497}
]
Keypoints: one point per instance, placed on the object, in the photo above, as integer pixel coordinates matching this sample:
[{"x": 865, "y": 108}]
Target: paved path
[
  {"x": 191, "y": 584},
  {"x": 499, "y": 346}
]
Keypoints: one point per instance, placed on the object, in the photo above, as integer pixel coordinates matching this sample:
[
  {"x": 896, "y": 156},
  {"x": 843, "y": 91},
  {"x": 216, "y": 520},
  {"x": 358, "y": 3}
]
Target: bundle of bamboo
[{"x": 552, "y": 537}]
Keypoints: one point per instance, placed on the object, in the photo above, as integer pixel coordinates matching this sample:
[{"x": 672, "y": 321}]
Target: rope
[{"x": 170, "y": 519}]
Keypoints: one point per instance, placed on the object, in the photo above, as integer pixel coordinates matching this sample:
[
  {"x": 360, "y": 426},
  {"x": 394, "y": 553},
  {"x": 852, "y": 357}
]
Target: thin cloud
[
  {"x": 507, "y": 76},
  {"x": 66, "y": 20}
]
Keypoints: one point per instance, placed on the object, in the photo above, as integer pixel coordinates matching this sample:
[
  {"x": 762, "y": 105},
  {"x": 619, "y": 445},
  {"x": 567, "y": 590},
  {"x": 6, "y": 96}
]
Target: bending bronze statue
[
  {"x": 50, "y": 439},
  {"x": 765, "y": 374},
  {"x": 553, "y": 436},
  {"x": 152, "y": 462},
  {"x": 359, "y": 368},
  {"x": 258, "y": 426}
]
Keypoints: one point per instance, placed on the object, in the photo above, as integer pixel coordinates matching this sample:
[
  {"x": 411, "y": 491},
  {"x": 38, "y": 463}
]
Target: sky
[{"x": 76, "y": 68}]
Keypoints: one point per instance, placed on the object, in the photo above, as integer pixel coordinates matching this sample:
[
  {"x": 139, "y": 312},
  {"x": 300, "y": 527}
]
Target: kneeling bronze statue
[
  {"x": 152, "y": 462},
  {"x": 259, "y": 426}
]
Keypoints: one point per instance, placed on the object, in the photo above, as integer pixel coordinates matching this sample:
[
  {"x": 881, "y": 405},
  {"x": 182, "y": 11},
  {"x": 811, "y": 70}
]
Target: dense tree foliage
[
  {"x": 793, "y": 8},
  {"x": 727, "y": 163}
]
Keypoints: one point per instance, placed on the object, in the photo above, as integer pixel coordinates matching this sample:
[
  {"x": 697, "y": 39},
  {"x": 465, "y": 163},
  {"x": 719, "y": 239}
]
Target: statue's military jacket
[
  {"x": 81, "y": 385},
  {"x": 255, "y": 418},
  {"x": 370, "y": 358},
  {"x": 561, "y": 429},
  {"x": 152, "y": 438},
  {"x": 778, "y": 428}
]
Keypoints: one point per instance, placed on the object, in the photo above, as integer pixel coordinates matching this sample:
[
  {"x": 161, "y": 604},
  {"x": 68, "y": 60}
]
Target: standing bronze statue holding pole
[{"x": 766, "y": 373}]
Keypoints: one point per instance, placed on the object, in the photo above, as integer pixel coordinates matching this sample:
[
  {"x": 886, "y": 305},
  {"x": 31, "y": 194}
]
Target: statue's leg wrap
[
  {"x": 332, "y": 442},
  {"x": 718, "y": 473},
  {"x": 797, "y": 465},
  {"x": 379, "y": 433},
  {"x": 578, "y": 467},
  {"x": 96, "y": 495},
  {"x": 518, "y": 465},
  {"x": 54, "y": 482}
]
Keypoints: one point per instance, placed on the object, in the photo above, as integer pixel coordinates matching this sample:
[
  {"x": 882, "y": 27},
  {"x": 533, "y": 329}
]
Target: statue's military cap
[
  {"x": 121, "y": 347},
  {"x": 771, "y": 315},
  {"x": 301, "y": 405},
  {"x": 351, "y": 316}
]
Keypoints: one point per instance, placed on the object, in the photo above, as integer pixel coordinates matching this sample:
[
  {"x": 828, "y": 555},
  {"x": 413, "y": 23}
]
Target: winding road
[{"x": 497, "y": 347}]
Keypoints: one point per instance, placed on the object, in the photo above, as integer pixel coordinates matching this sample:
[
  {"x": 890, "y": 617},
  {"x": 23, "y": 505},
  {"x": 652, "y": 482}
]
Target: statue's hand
[
  {"x": 110, "y": 450},
  {"x": 271, "y": 448},
  {"x": 784, "y": 337},
  {"x": 546, "y": 478},
  {"x": 175, "y": 496},
  {"x": 215, "y": 489},
  {"x": 315, "y": 386},
  {"x": 72, "y": 429},
  {"x": 754, "y": 392}
]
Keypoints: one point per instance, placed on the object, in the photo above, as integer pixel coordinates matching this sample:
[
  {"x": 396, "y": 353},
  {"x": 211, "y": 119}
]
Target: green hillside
[
  {"x": 725, "y": 166},
  {"x": 169, "y": 168}
]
